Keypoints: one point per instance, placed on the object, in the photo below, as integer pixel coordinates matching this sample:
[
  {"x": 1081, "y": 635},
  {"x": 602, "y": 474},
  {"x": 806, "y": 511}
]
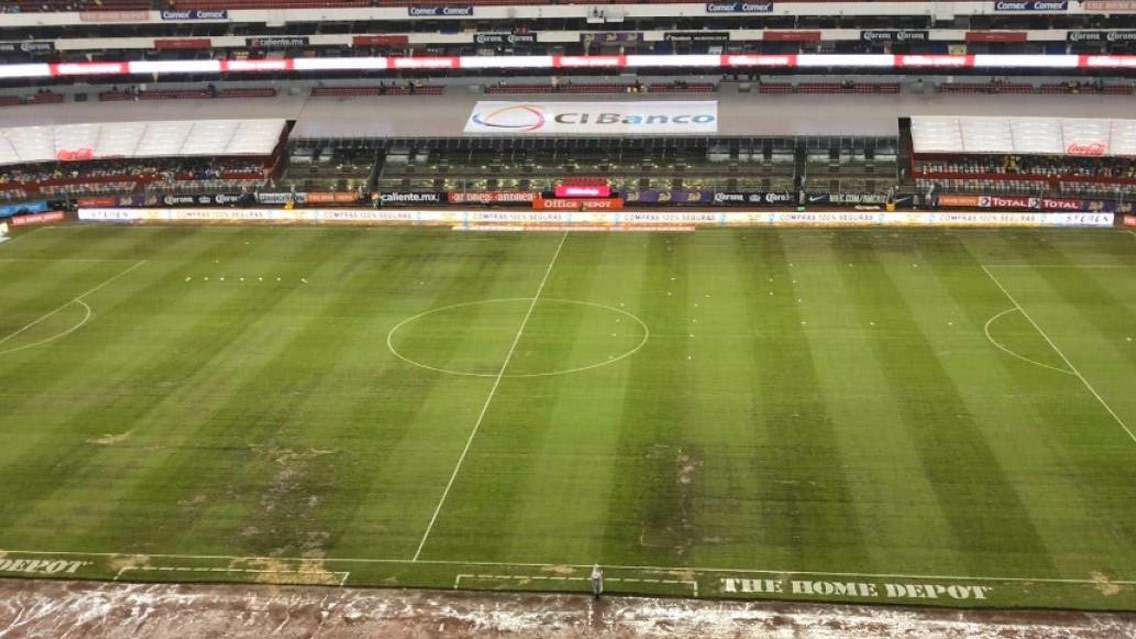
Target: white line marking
[
  {"x": 64, "y": 259},
  {"x": 53, "y": 337},
  {"x": 343, "y": 575},
  {"x": 990, "y": 338},
  {"x": 1060, "y": 265},
  {"x": 683, "y": 582},
  {"x": 78, "y": 299},
  {"x": 566, "y": 371},
  {"x": 13, "y": 238},
  {"x": 660, "y": 569},
  {"x": 489, "y": 399},
  {"x": 1061, "y": 354}
]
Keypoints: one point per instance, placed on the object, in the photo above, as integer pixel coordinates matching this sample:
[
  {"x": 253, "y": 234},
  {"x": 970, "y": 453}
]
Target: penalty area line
[
  {"x": 1060, "y": 354},
  {"x": 489, "y": 399},
  {"x": 77, "y": 299}
]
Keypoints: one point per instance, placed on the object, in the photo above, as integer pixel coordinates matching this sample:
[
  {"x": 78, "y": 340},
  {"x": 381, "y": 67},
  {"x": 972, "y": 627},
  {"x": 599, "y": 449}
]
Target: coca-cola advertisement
[{"x": 1097, "y": 148}]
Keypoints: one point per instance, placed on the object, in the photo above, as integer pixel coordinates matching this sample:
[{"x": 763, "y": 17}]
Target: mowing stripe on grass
[
  {"x": 489, "y": 399},
  {"x": 808, "y": 506},
  {"x": 649, "y": 515},
  {"x": 986, "y": 515},
  {"x": 69, "y": 462}
]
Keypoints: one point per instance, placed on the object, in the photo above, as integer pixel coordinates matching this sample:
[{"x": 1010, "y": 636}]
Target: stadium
[{"x": 511, "y": 318}]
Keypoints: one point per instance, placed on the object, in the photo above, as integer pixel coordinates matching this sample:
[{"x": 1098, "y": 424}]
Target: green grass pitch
[{"x": 924, "y": 416}]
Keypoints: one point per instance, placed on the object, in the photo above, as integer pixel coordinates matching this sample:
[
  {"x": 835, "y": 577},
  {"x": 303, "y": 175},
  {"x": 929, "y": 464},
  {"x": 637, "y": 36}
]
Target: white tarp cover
[
  {"x": 1024, "y": 136},
  {"x": 658, "y": 117},
  {"x": 104, "y": 140}
]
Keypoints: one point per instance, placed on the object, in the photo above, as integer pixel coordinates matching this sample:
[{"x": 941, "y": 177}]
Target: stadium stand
[
  {"x": 1035, "y": 156},
  {"x": 408, "y": 88},
  {"x": 186, "y": 94},
  {"x": 677, "y": 86}
]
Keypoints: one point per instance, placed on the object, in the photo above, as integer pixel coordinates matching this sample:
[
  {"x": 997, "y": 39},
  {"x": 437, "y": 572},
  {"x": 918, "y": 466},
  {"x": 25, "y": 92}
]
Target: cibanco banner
[{"x": 592, "y": 118}]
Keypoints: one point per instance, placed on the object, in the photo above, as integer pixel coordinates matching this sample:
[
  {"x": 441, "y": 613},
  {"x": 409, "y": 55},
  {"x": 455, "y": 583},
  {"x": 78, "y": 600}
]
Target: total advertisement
[{"x": 593, "y": 118}]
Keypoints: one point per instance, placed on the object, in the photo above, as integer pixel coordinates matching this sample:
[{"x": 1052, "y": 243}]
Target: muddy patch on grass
[
  {"x": 89, "y": 610},
  {"x": 109, "y": 439},
  {"x": 1105, "y": 586}
]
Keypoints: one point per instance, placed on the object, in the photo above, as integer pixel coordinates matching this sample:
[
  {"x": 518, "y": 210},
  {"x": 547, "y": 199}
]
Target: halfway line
[
  {"x": 76, "y": 299},
  {"x": 1062, "y": 355},
  {"x": 492, "y": 392}
]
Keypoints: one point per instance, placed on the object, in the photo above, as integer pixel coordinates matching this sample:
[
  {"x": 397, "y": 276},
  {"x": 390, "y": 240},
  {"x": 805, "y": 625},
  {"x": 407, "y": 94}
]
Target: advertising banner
[
  {"x": 8, "y": 210},
  {"x": 50, "y": 217},
  {"x": 1031, "y": 5},
  {"x": 195, "y": 14},
  {"x": 612, "y": 37},
  {"x": 412, "y": 197},
  {"x": 27, "y": 46},
  {"x": 504, "y": 38},
  {"x": 1091, "y": 37},
  {"x": 200, "y": 199},
  {"x": 590, "y": 218},
  {"x": 556, "y": 204},
  {"x": 454, "y": 10},
  {"x": 492, "y": 197},
  {"x": 696, "y": 36},
  {"x": 739, "y": 7},
  {"x": 593, "y": 118},
  {"x": 114, "y": 16},
  {"x": 379, "y": 40},
  {"x": 852, "y": 199},
  {"x": 596, "y": 190},
  {"x": 676, "y": 196},
  {"x": 1130, "y": 220},
  {"x": 331, "y": 197},
  {"x": 756, "y": 198},
  {"x": 958, "y": 200},
  {"x": 183, "y": 43},
  {"x": 1110, "y": 6},
  {"x": 895, "y": 35},
  {"x": 276, "y": 42}
]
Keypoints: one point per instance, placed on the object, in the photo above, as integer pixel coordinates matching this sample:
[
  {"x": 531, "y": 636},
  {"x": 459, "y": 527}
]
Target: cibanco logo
[{"x": 520, "y": 117}]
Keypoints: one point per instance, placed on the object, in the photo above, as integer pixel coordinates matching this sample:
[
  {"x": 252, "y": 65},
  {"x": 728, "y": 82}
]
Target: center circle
[{"x": 474, "y": 339}]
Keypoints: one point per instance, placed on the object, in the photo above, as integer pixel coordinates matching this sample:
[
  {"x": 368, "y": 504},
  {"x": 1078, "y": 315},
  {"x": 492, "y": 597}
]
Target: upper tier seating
[
  {"x": 392, "y": 89},
  {"x": 187, "y": 94},
  {"x": 601, "y": 87},
  {"x": 859, "y": 88},
  {"x": 40, "y": 6}
]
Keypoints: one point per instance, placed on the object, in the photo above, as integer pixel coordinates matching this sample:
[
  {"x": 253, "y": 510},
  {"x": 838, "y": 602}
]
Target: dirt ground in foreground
[{"x": 78, "y": 610}]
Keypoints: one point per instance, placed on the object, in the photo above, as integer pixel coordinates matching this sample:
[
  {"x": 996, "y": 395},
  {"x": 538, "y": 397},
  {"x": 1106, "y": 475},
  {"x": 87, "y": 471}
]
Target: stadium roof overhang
[
  {"x": 1024, "y": 136},
  {"x": 107, "y": 140},
  {"x": 449, "y": 117}
]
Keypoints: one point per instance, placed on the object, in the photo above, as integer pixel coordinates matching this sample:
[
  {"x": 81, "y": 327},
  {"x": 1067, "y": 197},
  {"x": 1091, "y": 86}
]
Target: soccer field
[{"x": 922, "y": 416}]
